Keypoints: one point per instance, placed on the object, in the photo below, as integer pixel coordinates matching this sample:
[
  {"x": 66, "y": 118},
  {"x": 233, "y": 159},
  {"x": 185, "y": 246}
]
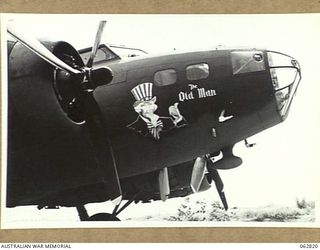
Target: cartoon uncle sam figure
[{"x": 148, "y": 123}]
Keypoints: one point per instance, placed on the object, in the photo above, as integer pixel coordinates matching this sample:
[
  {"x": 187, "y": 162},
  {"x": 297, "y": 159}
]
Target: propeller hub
[{"x": 96, "y": 77}]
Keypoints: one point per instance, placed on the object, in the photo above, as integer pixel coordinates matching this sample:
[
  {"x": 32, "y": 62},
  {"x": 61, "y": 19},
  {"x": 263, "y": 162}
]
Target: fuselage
[
  {"x": 158, "y": 112},
  {"x": 246, "y": 98}
]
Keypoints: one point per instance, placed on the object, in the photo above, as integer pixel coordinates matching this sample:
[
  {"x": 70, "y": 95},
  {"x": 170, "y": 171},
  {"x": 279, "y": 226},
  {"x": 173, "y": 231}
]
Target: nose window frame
[{"x": 284, "y": 95}]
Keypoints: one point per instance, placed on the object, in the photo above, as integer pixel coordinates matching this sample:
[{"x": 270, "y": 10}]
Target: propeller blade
[
  {"x": 38, "y": 48},
  {"x": 164, "y": 185},
  {"x": 219, "y": 185},
  {"x": 197, "y": 175},
  {"x": 103, "y": 150},
  {"x": 214, "y": 174},
  {"x": 96, "y": 43}
]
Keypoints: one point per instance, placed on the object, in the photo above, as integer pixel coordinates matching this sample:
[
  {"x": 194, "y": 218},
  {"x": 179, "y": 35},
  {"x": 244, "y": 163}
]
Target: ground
[{"x": 194, "y": 210}]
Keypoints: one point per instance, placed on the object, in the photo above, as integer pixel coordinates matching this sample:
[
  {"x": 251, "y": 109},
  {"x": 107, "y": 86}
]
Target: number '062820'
[{"x": 314, "y": 246}]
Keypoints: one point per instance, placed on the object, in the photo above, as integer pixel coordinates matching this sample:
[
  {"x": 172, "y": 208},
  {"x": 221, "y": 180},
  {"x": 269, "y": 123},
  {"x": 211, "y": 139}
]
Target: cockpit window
[
  {"x": 103, "y": 54},
  {"x": 197, "y": 71},
  {"x": 165, "y": 77},
  {"x": 247, "y": 61},
  {"x": 124, "y": 52}
]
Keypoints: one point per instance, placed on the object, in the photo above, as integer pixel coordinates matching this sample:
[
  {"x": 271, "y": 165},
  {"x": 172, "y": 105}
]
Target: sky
[{"x": 284, "y": 164}]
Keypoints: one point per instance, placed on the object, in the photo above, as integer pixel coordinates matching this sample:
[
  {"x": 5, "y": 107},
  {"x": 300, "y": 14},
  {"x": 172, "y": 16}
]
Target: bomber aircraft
[{"x": 92, "y": 125}]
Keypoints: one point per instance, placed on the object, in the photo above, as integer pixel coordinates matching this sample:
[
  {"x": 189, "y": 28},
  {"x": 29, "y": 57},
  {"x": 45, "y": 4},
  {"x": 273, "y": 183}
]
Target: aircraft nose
[{"x": 285, "y": 74}]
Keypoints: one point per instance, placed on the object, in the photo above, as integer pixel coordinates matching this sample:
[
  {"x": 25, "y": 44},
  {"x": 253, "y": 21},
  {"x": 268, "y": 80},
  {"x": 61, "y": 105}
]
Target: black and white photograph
[{"x": 160, "y": 120}]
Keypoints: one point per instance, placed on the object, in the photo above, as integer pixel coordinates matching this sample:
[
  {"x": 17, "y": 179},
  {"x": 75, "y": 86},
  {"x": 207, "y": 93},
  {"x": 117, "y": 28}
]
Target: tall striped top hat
[{"x": 143, "y": 91}]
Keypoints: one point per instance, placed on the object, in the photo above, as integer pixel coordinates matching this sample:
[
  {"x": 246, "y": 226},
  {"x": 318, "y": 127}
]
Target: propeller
[
  {"x": 89, "y": 78},
  {"x": 35, "y": 46},
  {"x": 85, "y": 78},
  {"x": 215, "y": 176},
  {"x": 96, "y": 44}
]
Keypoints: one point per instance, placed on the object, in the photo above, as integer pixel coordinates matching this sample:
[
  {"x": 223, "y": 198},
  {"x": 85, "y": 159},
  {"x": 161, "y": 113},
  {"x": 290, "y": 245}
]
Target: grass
[
  {"x": 202, "y": 211},
  {"x": 280, "y": 214}
]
